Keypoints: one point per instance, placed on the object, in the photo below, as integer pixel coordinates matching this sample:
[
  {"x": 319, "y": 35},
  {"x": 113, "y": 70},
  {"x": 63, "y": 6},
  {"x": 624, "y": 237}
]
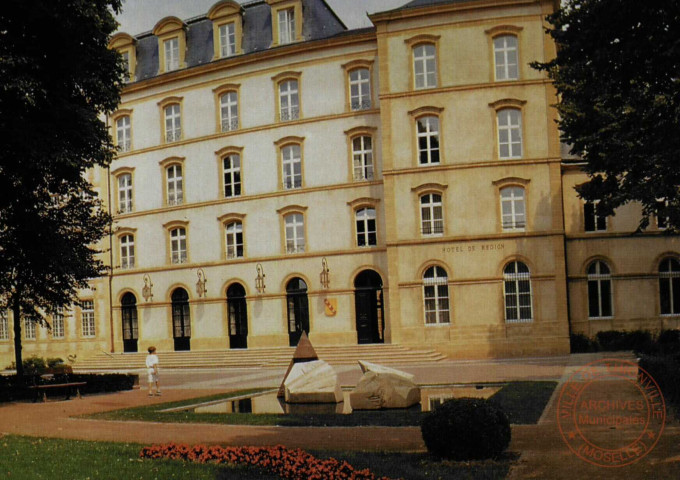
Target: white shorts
[{"x": 153, "y": 377}]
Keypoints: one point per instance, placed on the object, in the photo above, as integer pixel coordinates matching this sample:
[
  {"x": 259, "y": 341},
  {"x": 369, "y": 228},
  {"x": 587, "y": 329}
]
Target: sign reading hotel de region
[{"x": 611, "y": 413}]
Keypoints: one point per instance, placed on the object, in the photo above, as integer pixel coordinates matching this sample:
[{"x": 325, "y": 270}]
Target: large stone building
[{"x": 403, "y": 184}]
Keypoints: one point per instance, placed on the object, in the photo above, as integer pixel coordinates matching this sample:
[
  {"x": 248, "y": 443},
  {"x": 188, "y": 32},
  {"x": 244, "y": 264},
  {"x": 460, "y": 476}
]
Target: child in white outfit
[{"x": 152, "y": 370}]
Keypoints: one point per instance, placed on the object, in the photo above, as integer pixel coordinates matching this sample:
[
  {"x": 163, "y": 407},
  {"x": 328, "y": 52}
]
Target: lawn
[
  {"x": 25, "y": 458},
  {"x": 523, "y": 402}
]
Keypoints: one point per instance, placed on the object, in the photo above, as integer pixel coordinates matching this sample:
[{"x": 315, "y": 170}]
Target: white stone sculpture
[
  {"x": 312, "y": 382},
  {"x": 383, "y": 387}
]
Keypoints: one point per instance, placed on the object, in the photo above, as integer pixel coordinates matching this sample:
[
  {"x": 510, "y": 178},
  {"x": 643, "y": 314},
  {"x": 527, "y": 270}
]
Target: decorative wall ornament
[
  {"x": 147, "y": 291},
  {"x": 201, "y": 291},
  {"x": 325, "y": 276},
  {"x": 259, "y": 280}
]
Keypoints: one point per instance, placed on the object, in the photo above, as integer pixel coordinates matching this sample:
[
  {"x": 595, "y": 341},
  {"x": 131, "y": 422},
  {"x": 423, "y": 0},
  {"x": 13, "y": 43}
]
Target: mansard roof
[{"x": 318, "y": 21}]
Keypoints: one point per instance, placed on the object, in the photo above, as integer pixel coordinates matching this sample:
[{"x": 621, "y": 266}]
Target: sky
[{"x": 140, "y": 16}]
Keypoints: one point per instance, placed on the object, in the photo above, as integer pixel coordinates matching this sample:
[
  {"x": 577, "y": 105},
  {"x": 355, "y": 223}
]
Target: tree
[
  {"x": 57, "y": 81},
  {"x": 617, "y": 73}
]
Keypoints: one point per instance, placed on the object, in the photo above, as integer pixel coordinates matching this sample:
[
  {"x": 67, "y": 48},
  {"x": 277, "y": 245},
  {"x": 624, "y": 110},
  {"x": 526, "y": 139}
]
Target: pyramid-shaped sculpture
[{"x": 304, "y": 352}]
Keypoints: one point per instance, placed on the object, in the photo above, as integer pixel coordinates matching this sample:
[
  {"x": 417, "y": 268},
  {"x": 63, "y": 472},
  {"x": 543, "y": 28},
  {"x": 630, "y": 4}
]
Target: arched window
[
  {"x": 436, "y": 296},
  {"x": 130, "y": 324},
  {"x": 366, "y": 229},
  {"x": 178, "y": 245},
  {"x": 517, "y": 291},
  {"x": 669, "y": 286},
  {"x": 181, "y": 319},
  {"x": 298, "y": 309},
  {"x": 513, "y": 210},
  {"x": 599, "y": 290}
]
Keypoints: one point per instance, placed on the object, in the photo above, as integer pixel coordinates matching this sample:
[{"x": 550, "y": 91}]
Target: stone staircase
[{"x": 261, "y": 357}]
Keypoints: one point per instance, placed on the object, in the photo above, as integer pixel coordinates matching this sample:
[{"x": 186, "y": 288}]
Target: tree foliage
[
  {"x": 617, "y": 73},
  {"x": 57, "y": 81}
]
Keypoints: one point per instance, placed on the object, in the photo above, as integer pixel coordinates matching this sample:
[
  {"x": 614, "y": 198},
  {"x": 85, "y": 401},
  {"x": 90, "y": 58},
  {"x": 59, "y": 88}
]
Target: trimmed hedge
[
  {"x": 466, "y": 429},
  {"x": 640, "y": 341},
  {"x": 665, "y": 369},
  {"x": 12, "y": 388}
]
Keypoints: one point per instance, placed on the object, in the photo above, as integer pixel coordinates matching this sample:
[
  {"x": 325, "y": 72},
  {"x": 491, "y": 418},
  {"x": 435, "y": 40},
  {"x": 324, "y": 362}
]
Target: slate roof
[{"x": 318, "y": 21}]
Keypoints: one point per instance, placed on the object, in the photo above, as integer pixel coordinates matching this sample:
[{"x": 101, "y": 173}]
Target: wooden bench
[{"x": 62, "y": 374}]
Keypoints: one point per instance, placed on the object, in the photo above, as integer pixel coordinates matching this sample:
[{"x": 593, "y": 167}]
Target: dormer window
[
  {"x": 171, "y": 52},
  {"x": 286, "y": 26},
  {"x": 286, "y": 21},
  {"x": 171, "y": 44},
  {"x": 227, "y": 19},
  {"x": 125, "y": 45}
]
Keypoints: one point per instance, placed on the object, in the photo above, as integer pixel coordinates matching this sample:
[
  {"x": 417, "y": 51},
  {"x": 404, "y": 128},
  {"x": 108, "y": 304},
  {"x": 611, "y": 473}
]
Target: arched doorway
[
  {"x": 237, "y": 316},
  {"x": 130, "y": 325},
  {"x": 298, "y": 310},
  {"x": 181, "y": 319},
  {"x": 368, "y": 304}
]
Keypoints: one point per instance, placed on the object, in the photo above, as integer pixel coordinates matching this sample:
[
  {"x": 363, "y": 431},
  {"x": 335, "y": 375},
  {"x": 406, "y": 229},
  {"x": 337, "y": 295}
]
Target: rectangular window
[
  {"x": 127, "y": 252},
  {"x": 126, "y": 64},
  {"x": 512, "y": 209},
  {"x": 229, "y": 111},
  {"x": 232, "y": 175},
  {"x": 29, "y": 329},
  {"x": 123, "y": 134},
  {"x": 178, "y": 245},
  {"x": 292, "y": 166},
  {"x": 289, "y": 101},
  {"x": 509, "y": 133},
  {"x": 227, "y": 40},
  {"x": 295, "y": 233},
  {"x": 362, "y": 157},
  {"x": 173, "y": 123},
  {"x": 286, "y": 26},
  {"x": 427, "y": 131},
  {"x": 87, "y": 318},
  {"x": 425, "y": 66},
  {"x": 171, "y": 47},
  {"x": 360, "y": 89},
  {"x": 593, "y": 221},
  {"x": 505, "y": 57},
  {"x": 431, "y": 215},
  {"x": 366, "y": 230},
  {"x": 175, "y": 188},
  {"x": 235, "y": 240},
  {"x": 661, "y": 219},
  {"x": 4, "y": 325},
  {"x": 125, "y": 193},
  {"x": 58, "y": 324}
]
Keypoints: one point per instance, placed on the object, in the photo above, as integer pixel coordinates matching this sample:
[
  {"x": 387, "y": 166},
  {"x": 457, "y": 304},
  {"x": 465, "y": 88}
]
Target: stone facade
[{"x": 399, "y": 184}]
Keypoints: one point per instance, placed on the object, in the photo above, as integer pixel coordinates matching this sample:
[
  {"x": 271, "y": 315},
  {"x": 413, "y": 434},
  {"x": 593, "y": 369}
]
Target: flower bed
[{"x": 290, "y": 464}]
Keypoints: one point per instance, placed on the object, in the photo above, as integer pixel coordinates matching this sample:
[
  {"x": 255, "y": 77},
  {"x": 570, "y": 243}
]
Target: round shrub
[{"x": 466, "y": 429}]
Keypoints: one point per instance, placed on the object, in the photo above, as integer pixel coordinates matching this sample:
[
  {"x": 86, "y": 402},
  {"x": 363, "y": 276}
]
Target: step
[{"x": 262, "y": 357}]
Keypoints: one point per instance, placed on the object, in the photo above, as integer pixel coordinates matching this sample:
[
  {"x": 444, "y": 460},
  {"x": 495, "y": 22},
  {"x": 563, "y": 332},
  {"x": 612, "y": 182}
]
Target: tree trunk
[{"x": 16, "y": 311}]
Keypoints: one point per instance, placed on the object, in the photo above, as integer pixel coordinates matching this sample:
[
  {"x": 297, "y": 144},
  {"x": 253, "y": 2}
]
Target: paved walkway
[{"x": 544, "y": 454}]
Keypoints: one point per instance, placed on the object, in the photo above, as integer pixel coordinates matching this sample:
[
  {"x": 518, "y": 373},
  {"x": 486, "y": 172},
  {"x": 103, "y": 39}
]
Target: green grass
[
  {"x": 523, "y": 402},
  {"x": 26, "y": 458}
]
